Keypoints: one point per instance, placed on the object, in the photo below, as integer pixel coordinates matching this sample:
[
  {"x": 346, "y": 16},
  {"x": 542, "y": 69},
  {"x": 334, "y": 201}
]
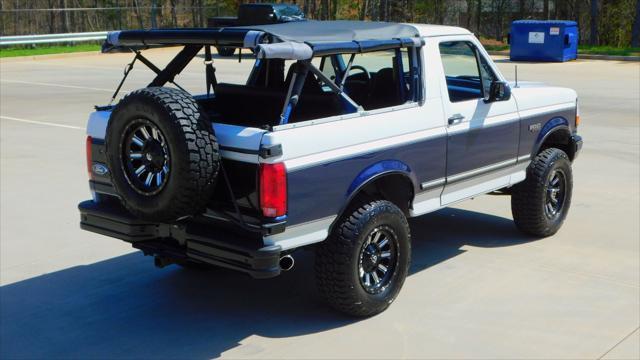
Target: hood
[
  {"x": 532, "y": 95},
  {"x": 527, "y": 84}
]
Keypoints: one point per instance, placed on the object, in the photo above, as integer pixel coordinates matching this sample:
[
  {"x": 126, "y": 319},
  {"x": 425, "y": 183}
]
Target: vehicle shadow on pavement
[
  {"x": 125, "y": 308},
  {"x": 440, "y": 236}
]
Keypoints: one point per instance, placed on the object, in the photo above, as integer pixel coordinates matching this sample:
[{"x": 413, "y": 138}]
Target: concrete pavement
[{"x": 477, "y": 289}]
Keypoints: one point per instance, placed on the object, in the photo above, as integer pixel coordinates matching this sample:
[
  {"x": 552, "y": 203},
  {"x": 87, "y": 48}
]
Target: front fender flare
[{"x": 551, "y": 127}]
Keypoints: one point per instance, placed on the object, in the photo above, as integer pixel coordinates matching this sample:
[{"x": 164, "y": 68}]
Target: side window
[
  {"x": 379, "y": 79},
  {"x": 466, "y": 78}
]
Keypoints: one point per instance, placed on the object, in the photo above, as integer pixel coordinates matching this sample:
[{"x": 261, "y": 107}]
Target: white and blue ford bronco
[{"x": 341, "y": 132}]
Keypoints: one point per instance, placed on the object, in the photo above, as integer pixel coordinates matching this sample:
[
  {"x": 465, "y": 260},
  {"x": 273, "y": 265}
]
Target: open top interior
[
  {"x": 351, "y": 68},
  {"x": 375, "y": 80}
]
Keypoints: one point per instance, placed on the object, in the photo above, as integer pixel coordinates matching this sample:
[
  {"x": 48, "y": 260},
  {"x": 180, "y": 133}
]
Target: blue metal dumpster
[{"x": 543, "y": 40}]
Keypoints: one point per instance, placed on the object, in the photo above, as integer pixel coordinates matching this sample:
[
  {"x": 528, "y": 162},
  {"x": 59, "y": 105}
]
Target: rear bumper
[{"x": 201, "y": 239}]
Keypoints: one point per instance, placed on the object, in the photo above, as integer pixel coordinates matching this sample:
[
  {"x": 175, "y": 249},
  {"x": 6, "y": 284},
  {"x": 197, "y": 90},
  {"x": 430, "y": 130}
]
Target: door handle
[{"x": 454, "y": 119}]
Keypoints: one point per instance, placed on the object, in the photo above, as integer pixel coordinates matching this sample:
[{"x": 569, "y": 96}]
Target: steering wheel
[{"x": 365, "y": 82}]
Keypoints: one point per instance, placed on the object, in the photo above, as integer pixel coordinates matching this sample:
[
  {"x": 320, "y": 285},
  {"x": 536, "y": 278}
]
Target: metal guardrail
[{"x": 51, "y": 38}]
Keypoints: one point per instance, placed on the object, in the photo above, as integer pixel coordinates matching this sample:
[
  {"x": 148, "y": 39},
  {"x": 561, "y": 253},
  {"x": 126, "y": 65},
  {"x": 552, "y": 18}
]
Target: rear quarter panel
[{"x": 326, "y": 161}]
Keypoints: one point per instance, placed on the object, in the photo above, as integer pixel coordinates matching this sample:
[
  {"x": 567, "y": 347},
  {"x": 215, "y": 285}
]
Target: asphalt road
[{"x": 477, "y": 289}]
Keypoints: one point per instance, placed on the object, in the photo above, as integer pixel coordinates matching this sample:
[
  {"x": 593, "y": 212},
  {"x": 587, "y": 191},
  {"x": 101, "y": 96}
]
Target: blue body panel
[
  {"x": 322, "y": 190},
  {"x": 537, "y": 40},
  {"x": 480, "y": 147}
]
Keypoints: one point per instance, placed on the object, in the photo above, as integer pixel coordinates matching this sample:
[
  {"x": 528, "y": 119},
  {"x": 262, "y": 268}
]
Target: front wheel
[
  {"x": 362, "y": 266},
  {"x": 540, "y": 203}
]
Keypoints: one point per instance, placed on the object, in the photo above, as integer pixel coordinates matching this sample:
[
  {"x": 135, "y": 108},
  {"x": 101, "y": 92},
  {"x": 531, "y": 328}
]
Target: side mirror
[{"x": 498, "y": 91}]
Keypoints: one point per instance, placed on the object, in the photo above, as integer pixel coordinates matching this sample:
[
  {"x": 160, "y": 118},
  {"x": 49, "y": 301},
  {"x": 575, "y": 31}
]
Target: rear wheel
[
  {"x": 362, "y": 266},
  {"x": 540, "y": 203}
]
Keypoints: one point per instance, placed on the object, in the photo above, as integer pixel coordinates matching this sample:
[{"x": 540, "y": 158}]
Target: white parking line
[
  {"x": 56, "y": 85},
  {"x": 41, "y": 123}
]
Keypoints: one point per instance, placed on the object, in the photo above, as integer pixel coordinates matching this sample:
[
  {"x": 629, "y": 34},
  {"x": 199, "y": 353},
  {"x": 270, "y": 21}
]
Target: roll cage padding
[{"x": 284, "y": 50}]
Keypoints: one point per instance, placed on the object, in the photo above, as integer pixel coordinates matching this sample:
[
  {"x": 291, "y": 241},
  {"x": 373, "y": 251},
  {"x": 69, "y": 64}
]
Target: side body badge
[{"x": 535, "y": 127}]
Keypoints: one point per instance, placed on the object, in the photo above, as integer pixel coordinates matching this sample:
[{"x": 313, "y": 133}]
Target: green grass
[
  {"x": 584, "y": 49},
  {"x": 496, "y": 47},
  {"x": 45, "y": 50},
  {"x": 608, "y": 50}
]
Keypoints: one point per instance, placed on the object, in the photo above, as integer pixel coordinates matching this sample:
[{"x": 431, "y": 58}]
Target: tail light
[
  {"x": 273, "y": 189},
  {"x": 89, "y": 146}
]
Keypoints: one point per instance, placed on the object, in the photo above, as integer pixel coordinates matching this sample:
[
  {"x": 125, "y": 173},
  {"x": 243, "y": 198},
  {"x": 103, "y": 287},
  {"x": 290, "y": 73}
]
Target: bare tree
[
  {"x": 136, "y": 10},
  {"x": 545, "y": 9},
  {"x": 635, "y": 31},
  {"x": 324, "y": 9},
  {"x": 364, "y": 5},
  {"x": 593, "y": 36},
  {"x": 154, "y": 14},
  {"x": 194, "y": 14},
  {"x": 334, "y": 9},
  {"x": 383, "y": 13},
  {"x": 499, "y": 8},
  {"x": 479, "y": 16},
  {"x": 521, "y": 9},
  {"x": 64, "y": 15},
  {"x": 469, "y": 7},
  {"x": 174, "y": 15}
]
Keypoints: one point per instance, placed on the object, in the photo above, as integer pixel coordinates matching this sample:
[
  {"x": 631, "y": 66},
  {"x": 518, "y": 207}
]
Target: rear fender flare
[{"x": 373, "y": 173}]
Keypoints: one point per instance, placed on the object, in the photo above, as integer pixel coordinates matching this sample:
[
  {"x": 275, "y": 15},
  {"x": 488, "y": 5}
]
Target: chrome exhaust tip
[{"x": 286, "y": 263}]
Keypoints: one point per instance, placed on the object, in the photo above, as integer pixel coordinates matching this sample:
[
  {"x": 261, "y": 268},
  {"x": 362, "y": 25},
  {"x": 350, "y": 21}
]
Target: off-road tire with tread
[
  {"x": 194, "y": 160},
  {"x": 336, "y": 262},
  {"x": 528, "y": 197}
]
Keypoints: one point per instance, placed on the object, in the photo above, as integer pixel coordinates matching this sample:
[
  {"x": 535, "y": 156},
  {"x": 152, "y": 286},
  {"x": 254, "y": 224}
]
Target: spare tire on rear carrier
[{"x": 162, "y": 154}]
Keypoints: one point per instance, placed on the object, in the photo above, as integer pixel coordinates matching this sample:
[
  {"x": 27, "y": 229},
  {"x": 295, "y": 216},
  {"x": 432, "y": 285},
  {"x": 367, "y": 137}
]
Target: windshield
[{"x": 289, "y": 11}]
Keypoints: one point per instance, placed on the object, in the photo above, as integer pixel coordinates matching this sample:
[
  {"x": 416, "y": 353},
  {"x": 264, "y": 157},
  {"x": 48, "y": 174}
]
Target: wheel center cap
[
  {"x": 371, "y": 258},
  {"x": 149, "y": 156}
]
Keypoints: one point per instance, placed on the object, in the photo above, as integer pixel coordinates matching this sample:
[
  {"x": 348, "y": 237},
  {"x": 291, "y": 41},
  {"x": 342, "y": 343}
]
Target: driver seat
[{"x": 384, "y": 90}]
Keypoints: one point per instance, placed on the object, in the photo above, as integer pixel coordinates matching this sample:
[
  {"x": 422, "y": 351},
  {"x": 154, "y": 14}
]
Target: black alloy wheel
[
  {"x": 145, "y": 157},
  {"x": 378, "y": 259},
  {"x": 556, "y": 190}
]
